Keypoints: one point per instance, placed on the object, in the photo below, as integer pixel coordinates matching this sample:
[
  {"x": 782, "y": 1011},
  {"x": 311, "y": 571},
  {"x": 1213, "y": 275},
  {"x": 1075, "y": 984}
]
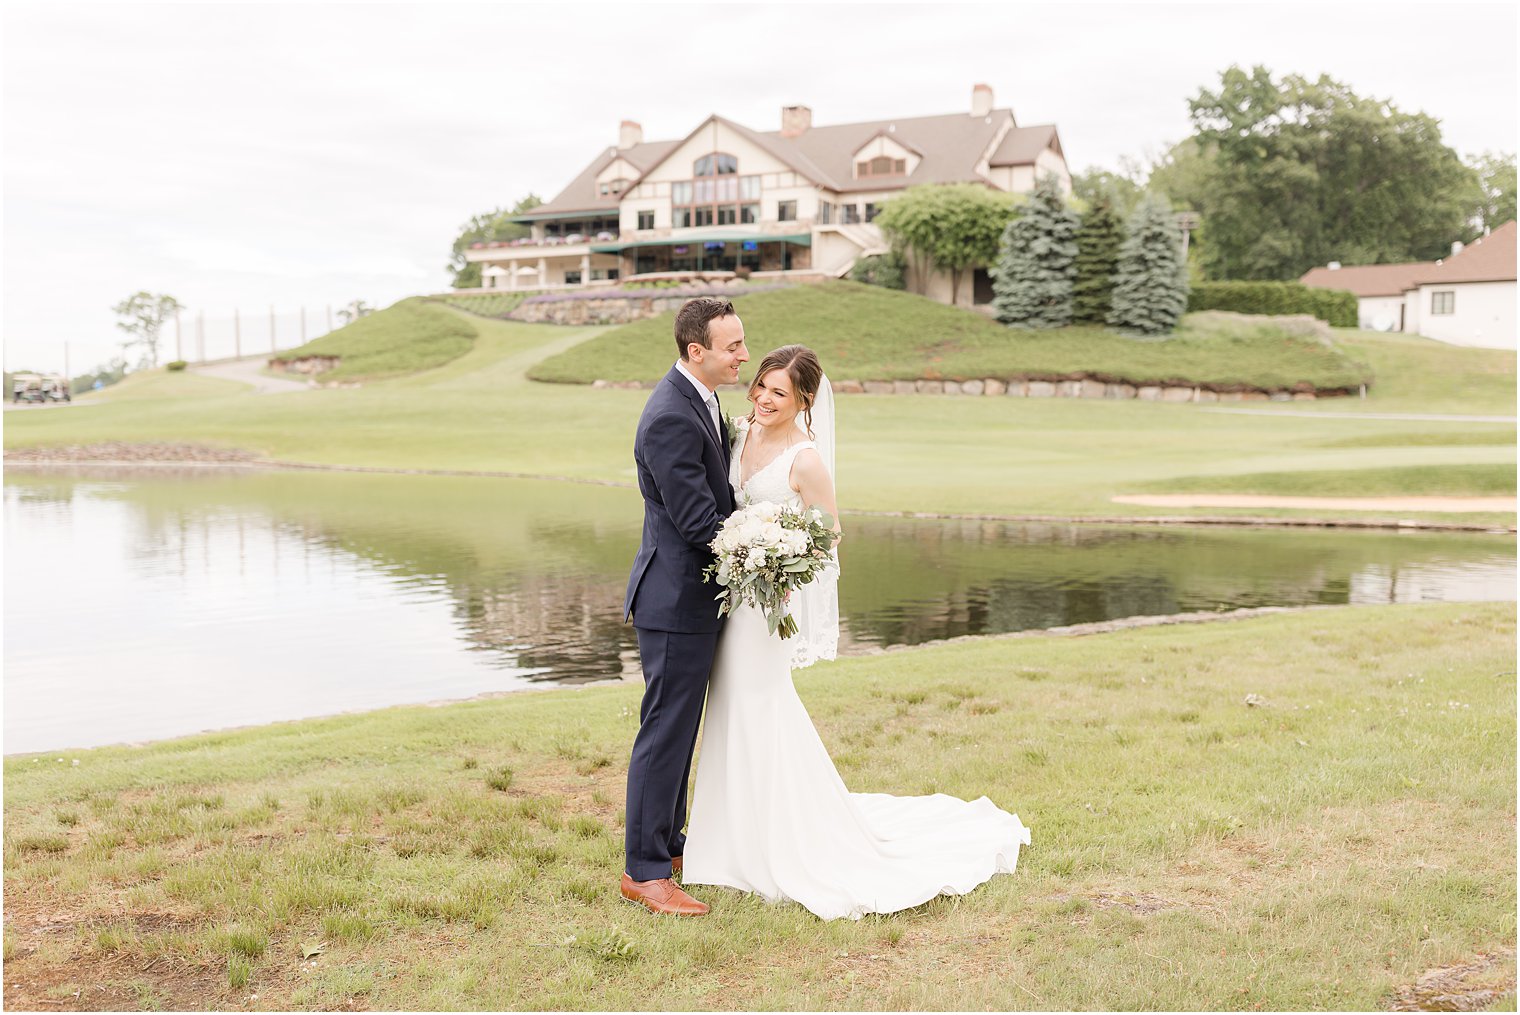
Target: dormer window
[
  {"x": 882, "y": 165},
  {"x": 716, "y": 164},
  {"x": 614, "y": 187}
]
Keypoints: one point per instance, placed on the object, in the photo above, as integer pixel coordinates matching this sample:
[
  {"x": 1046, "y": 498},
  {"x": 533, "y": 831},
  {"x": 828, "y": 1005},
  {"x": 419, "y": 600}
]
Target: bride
[{"x": 771, "y": 814}]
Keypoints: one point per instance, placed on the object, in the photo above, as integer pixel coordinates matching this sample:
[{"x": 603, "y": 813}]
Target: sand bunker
[{"x": 1251, "y": 500}]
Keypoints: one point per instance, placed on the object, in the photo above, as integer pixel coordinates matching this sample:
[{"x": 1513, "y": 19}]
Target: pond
[{"x": 150, "y": 604}]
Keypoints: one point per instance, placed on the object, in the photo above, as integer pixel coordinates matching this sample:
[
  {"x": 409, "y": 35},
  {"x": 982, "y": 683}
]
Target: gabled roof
[
  {"x": 1022, "y": 145},
  {"x": 951, "y": 144},
  {"x": 1368, "y": 279},
  {"x": 1489, "y": 258},
  {"x": 583, "y": 194},
  {"x": 782, "y": 148}
]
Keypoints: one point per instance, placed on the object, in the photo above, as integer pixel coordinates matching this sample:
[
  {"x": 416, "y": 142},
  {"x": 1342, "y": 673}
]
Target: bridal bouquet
[{"x": 765, "y": 551}]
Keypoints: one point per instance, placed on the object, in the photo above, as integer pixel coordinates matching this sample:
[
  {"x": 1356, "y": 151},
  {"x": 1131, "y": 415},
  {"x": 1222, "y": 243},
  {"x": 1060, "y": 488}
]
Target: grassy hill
[
  {"x": 410, "y": 336},
  {"x": 1011, "y": 456},
  {"x": 868, "y": 333}
]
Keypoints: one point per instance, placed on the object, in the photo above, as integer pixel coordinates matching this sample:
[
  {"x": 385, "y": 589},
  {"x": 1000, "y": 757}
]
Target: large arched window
[
  {"x": 716, "y": 194},
  {"x": 716, "y": 164}
]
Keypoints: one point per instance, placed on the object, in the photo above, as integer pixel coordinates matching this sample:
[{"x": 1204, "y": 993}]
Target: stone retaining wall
[
  {"x": 1080, "y": 388},
  {"x": 620, "y": 306},
  {"x": 305, "y": 364}
]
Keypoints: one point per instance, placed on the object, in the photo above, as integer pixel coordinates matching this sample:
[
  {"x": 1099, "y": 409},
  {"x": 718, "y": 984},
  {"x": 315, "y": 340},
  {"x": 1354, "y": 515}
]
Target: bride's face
[{"x": 776, "y": 402}]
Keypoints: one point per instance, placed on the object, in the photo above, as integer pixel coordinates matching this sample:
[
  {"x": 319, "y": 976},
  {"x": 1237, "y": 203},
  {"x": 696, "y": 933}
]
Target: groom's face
[{"x": 720, "y": 364}]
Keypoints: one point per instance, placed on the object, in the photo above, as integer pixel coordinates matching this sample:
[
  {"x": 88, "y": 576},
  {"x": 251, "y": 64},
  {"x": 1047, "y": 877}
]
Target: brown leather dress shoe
[
  {"x": 675, "y": 865},
  {"x": 662, "y": 896}
]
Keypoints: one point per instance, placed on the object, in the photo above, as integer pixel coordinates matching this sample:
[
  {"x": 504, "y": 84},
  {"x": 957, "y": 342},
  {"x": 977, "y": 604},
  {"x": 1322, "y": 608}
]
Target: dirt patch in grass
[
  {"x": 1465, "y": 986},
  {"x": 118, "y": 982},
  {"x": 122, "y": 451}
]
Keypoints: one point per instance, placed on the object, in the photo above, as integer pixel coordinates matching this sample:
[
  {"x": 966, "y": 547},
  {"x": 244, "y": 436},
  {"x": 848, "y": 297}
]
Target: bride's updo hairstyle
[{"x": 802, "y": 366}]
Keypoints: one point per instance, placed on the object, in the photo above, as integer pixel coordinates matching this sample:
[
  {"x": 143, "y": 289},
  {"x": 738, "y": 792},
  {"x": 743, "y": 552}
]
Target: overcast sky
[{"x": 243, "y": 155}]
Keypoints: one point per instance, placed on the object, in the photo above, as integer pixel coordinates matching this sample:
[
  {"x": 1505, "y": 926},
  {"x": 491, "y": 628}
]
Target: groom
[{"x": 681, "y": 449}]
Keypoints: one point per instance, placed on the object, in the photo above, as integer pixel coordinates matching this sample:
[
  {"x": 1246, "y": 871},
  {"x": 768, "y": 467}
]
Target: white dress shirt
[{"x": 708, "y": 396}]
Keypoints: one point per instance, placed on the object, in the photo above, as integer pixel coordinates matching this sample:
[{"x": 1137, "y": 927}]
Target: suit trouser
[{"x": 676, "y": 668}]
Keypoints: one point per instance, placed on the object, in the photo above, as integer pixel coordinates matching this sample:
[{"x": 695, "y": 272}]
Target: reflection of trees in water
[
  {"x": 912, "y": 581},
  {"x": 567, "y": 624},
  {"x": 538, "y": 583}
]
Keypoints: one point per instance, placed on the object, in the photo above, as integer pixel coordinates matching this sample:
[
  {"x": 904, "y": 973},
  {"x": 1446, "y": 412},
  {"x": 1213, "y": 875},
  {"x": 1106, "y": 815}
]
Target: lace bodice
[{"x": 773, "y": 480}]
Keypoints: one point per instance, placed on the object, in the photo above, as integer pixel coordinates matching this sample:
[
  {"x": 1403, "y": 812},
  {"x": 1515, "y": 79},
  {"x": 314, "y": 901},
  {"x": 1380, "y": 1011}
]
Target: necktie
[{"x": 717, "y": 414}]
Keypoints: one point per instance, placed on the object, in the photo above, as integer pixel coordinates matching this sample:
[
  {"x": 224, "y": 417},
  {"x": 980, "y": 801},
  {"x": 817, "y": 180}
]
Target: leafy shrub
[
  {"x": 1335, "y": 307},
  {"x": 176, "y": 365},
  {"x": 889, "y": 270}
]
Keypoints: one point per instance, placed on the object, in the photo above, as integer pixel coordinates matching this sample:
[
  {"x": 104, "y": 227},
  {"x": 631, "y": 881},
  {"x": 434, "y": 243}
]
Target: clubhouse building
[{"x": 798, "y": 201}]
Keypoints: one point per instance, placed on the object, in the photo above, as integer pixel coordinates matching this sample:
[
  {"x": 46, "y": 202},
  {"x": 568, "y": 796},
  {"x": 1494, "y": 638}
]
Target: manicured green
[
  {"x": 1334, "y": 306},
  {"x": 989, "y": 455},
  {"x": 415, "y": 334},
  {"x": 1318, "y": 850},
  {"x": 869, "y": 333},
  {"x": 156, "y": 385}
]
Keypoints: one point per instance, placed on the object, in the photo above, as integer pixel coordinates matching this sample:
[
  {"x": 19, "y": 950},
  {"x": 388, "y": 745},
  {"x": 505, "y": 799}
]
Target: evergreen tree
[
  {"x": 1098, "y": 243},
  {"x": 1036, "y": 265},
  {"x": 1150, "y": 285}
]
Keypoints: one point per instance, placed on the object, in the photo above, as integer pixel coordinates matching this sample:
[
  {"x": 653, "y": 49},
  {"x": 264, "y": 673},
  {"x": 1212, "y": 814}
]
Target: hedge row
[{"x": 1335, "y": 307}]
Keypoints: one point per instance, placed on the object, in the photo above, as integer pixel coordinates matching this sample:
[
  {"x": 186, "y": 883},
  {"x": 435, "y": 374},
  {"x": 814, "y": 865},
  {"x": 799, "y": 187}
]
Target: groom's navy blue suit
[{"x": 683, "y": 474}]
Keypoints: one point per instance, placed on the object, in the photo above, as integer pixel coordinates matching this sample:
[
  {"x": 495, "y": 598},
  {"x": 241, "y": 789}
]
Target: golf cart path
[{"x": 247, "y": 371}]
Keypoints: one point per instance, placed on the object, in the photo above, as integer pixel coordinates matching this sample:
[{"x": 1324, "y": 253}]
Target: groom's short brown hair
[{"x": 693, "y": 318}]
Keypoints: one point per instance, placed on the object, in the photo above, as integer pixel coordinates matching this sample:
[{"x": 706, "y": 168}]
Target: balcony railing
[{"x": 605, "y": 236}]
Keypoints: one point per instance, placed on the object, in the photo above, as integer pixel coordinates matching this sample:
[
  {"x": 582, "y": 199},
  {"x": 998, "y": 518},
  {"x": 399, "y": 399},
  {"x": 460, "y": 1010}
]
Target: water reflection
[{"x": 147, "y": 605}]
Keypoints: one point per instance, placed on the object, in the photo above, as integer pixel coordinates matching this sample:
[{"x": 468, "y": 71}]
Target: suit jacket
[{"x": 683, "y": 475}]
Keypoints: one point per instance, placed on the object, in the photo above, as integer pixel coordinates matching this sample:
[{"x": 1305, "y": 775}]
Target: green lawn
[
  {"x": 414, "y": 334},
  {"x": 986, "y": 455},
  {"x": 1318, "y": 851},
  {"x": 868, "y": 333}
]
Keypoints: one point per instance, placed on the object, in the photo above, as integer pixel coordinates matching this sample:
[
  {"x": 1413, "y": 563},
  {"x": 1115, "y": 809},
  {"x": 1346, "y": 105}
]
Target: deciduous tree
[
  {"x": 144, "y": 316},
  {"x": 951, "y": 227},
  {"x": 1496, "y": 188},
  {"x": 492, "y": 225},
  {"x": 1293, "y": 173}
]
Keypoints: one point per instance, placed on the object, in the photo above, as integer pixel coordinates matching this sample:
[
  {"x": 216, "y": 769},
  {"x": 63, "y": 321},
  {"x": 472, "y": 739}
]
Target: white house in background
[
  {"x": 1465, "y": 299},
  {"x": 795, "y": 201}
]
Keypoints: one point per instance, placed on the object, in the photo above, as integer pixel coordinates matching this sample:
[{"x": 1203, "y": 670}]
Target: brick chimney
[
  {"x": 795, "y": 120},
  {"x": 981, "y": 100},
  {"x": 629, "y": 134}
]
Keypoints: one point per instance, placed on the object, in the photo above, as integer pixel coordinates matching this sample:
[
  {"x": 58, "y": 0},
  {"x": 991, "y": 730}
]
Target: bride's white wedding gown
[{"x": 770, "y": 813}]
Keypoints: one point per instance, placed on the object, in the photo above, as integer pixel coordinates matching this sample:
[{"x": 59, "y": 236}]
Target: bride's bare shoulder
[{"x": 808, "y": 467}]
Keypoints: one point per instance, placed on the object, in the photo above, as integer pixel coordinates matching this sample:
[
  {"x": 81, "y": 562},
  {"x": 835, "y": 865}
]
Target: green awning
[{"x": 801, "y": 239}]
